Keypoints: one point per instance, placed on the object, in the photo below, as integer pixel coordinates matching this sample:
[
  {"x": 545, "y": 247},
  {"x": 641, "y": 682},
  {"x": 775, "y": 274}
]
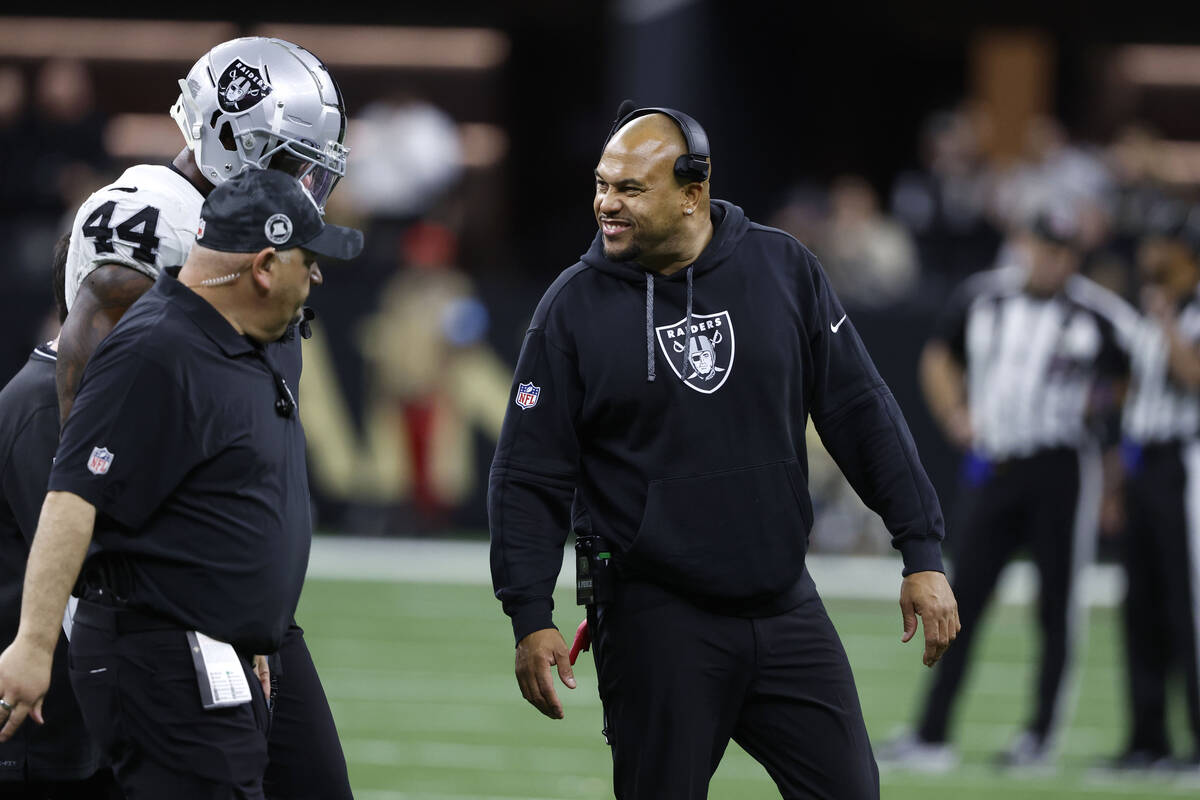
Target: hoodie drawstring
[
  {"x": 687, "y": 330},
  {"x": 687, "y": 340},
  {"x": 650, "y": 327}
]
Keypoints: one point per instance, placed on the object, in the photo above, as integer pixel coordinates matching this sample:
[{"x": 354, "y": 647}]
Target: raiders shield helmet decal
[
  {"x": 703, "y": 358},
  {"x": 240, "y": 87}
]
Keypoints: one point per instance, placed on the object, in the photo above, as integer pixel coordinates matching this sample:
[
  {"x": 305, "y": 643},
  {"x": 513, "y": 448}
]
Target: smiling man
[{"x": 685, "y": 317}]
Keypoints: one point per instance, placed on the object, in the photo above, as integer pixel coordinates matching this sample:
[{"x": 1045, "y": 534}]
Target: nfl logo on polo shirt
[
  {"x": 527, "y": 395},
  {"x": 100, "y": 460}
]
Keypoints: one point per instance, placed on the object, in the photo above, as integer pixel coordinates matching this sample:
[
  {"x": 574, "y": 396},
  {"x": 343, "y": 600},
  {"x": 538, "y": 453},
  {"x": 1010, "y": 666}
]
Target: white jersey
[
  {"x": 146, "y": 220},
  {"x": 1159, "y": 408}
]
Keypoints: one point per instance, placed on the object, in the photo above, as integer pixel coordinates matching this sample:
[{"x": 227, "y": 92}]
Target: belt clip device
[{"x": 593, "y": 571}]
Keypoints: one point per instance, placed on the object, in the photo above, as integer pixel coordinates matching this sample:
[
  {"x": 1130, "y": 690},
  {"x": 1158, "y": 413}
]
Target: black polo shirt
[
  {"x": 60, "y": 750},
  {"x": 199, "y": 482}
]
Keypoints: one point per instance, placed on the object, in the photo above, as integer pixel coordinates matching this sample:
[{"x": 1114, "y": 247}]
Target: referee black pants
[
  {"x": 678, "y": 682},
  {"x": 1031, "y": 503},
  {"x": 1162, "y": 506}
]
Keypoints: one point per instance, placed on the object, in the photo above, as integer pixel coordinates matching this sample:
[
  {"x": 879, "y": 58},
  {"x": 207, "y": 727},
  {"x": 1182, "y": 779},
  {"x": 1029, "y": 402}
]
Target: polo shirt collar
[{"x": 205, "y": 317}]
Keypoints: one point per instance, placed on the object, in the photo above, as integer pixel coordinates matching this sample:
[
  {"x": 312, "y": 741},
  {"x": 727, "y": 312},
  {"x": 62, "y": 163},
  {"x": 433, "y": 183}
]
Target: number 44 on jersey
[{"x": 138, "y": 231}]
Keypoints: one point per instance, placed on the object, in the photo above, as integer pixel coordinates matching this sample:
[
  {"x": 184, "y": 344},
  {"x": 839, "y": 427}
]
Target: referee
[
  {"x": 1009, "y": 375},
  {"x": 1162, "y": 496},
  {"x": 185, "y": 451},
  {"x": 57, "y": 760}
]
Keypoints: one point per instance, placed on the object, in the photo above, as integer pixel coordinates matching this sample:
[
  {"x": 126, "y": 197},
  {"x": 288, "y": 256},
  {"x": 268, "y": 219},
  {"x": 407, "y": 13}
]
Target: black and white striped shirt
[
  {"x": 1158, "y": 409},
  {"x": 1031, "y": 362}
]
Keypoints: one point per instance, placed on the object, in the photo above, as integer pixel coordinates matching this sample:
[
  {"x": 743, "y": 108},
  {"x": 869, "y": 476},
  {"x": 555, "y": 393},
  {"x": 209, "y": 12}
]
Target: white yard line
[
  {"x": 384, "y": 794},
  {"x": 843, "y": 577}
]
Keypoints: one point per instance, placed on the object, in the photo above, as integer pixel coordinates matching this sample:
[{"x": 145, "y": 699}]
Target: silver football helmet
[{"x": 255, "y": 102}]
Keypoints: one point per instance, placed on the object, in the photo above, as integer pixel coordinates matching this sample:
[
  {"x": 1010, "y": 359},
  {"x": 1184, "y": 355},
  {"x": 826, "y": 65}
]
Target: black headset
[{"x": 692, "y": 165}]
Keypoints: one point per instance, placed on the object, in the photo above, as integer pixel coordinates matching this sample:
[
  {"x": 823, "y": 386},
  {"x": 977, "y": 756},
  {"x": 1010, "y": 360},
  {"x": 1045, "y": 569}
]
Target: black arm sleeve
[
  {"x": 1113, "y": 361},
  {"x": 532, "y": 483},
  {"x": 1113, "y": 367},
  {"x": 863, "y": 429},
  {"x": 28, "y": 472}
]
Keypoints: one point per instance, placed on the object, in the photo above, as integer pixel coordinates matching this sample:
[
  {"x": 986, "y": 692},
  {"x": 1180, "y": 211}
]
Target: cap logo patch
[
  {"x": 527, "y": 395},
  {"x": 100, "y": 460},
  {"x": 200, "y": 229},
  {"x": 241, "y": 87},
  {"x": 278, "y": 228}
]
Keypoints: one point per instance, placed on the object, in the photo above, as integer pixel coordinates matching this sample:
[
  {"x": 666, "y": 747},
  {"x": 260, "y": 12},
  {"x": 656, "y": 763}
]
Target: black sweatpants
[
  {"x": 677, "y": 682},
  {"x": 101, "y": 786},
  {"x": 140, "y": 699},
  {"x": 1032, "y": 503},
  {"x": 306, "y": 760},
  {"x": 1162, "y": 506}
]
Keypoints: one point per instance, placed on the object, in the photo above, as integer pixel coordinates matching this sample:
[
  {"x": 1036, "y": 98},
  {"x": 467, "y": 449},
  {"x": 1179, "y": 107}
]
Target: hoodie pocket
[{"x": 734, "y": 535}]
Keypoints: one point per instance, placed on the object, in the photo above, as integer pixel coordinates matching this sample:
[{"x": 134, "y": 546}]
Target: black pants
[
  {"x": 100, "y": 786},
  {"x": 1033, "y": 503},
  {"x": 57, "y": 760},
  {"x": 1162, "y": 504},
  {"x": 306, "y": 760},
  {"x": 678, "y": 682},
  {"x": 140, "y": 698}
]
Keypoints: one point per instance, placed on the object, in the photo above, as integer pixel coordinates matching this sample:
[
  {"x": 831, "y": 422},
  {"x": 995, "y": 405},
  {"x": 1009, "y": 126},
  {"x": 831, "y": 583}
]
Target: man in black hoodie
[{"x": 660, "y": 403}]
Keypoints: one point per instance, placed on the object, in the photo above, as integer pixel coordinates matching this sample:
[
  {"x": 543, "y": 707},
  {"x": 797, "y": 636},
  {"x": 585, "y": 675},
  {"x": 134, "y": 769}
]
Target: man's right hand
[
  {"x": 536, "y": 654},
  {"x": 24, "y": 680}
]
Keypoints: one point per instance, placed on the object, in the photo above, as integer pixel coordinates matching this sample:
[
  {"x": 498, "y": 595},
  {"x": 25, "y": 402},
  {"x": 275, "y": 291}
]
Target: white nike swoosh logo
[{"x": 833, "y": 327}]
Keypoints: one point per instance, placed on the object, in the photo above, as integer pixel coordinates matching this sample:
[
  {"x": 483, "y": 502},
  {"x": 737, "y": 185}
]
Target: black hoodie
[{"x": 684, "y": 446}]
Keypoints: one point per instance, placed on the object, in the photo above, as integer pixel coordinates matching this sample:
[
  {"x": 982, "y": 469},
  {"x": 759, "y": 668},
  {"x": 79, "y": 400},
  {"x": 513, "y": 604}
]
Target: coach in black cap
[{"x": 185, "y": 453}]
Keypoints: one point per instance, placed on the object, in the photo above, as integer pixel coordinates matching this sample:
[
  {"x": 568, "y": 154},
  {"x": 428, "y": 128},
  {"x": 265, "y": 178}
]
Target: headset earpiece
[{"x": 691, "y": 167}]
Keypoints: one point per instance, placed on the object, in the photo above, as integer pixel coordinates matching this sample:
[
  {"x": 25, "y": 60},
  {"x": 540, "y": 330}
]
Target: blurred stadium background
[{"x": 901, "y": 141}]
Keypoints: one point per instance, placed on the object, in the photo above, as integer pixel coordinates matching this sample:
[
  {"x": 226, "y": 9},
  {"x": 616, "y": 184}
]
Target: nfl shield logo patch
[
  {"x": 100, "y": 460},
  {"x": 527, "y": 395}
]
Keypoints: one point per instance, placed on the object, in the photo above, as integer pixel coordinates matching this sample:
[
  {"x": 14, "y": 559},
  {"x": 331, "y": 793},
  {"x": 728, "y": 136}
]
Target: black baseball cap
[
  {"x": 261, "y": 208},
  {"x": 1177, "y": 221},
  {"x": 1057, "y": 226}
]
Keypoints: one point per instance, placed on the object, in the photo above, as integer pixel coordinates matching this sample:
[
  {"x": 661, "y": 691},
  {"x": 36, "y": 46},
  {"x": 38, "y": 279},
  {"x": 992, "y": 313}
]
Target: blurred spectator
[
  {"x": 1141, "y": 200},
  {"x": 805, "y": 215},
  {"x": 14, "y": 142},
  {"x": 945, "y": 203},
  {"x": 1055, "y": 174},
  {"x": 433, "y": 382},
  {"x": 67, "y": 137},
  {"x": 870, "y": 259},
  {"x": 1134, "y": 158},
  {"x": 414, "y": 156}
]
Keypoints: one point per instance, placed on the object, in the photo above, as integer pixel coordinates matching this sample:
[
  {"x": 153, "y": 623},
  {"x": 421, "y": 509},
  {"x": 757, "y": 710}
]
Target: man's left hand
[
  {"x": 928, "y": 595},
  {"x": 24, "y": 681}
]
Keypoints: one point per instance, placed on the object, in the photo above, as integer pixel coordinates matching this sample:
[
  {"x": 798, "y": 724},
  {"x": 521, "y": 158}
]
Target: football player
[{"x": 250, "y": 103}]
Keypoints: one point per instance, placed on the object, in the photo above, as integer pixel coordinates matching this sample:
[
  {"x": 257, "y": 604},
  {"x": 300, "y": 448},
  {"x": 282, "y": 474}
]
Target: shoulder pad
[{"x": 146, "y": 220}]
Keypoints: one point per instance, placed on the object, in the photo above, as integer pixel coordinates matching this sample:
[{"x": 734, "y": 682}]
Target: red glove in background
[{"x": 583, "y": 640}]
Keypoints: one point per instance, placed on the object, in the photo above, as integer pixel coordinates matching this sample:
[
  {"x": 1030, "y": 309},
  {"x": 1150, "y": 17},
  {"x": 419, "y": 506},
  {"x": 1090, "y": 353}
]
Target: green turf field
[{"x": 420, "y": 679}]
